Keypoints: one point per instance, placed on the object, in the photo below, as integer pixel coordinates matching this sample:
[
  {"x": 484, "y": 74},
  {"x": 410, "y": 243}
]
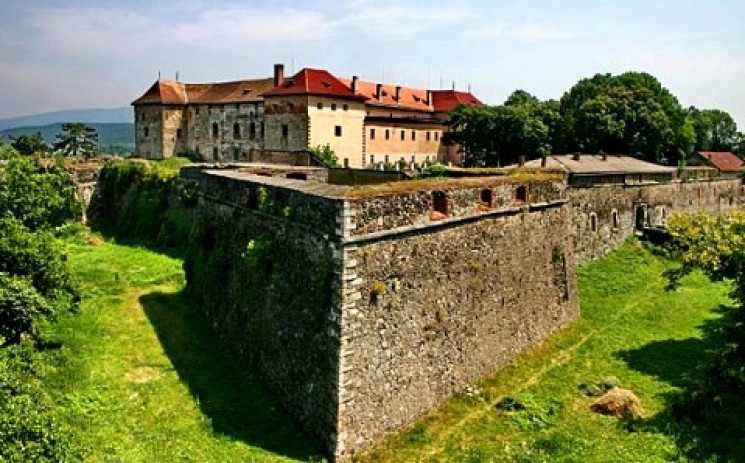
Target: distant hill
[
  {"x": 89, "y": 116},
  {"x": 121, "y": 134}
]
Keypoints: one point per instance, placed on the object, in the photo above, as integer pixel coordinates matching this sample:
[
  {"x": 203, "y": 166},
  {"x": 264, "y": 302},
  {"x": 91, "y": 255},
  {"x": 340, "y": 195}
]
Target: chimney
[
  {"x": 355, "y": 84},
  {"x": 575, "y": 156},
  {"x": 398, "y": 92},
  {"x": 521, "y": 160},
  {"x": 378, "y": 90},
  {"x": 544, "y": 160},
  {"x": 279, "y": 74},
  {"x": 429, "y": 98}
]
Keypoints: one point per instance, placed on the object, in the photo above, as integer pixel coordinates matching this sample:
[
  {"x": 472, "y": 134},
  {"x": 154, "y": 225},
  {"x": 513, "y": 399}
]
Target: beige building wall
[
  {"x": 340, "y": 125},
  {"x": 392, "y": 141},
  {"x": 173, "y": 131}
]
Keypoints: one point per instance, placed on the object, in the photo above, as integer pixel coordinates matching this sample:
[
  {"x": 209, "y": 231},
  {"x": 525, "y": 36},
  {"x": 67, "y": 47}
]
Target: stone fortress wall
[{"x": 370, "y": 305}]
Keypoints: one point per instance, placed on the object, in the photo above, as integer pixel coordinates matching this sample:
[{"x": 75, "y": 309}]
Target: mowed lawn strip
[
  {"x": 631, "y": 328},
  {"x": 141, "y": 377}
]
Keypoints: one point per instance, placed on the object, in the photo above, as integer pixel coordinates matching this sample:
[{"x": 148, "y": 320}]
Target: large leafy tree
[
  {"x": 30, "y": 144},
  {"x": 499, "y": 135},
  {"x": 631, "y": 113},
  {"x": 715, "y": 130},
  {"x": 77, "y": 139}
]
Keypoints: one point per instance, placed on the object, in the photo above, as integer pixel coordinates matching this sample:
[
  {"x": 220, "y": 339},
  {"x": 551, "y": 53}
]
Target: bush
[
  {"x": 21, "y": 308},
  {"x": 40, "y": 195},
  {"x": 30, "y": 429},
  {"x": 434, "y": 170}
]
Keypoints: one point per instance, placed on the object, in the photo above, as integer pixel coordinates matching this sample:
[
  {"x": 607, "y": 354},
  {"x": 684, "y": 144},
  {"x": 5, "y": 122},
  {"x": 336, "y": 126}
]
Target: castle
[{"x": 364, "y": 123}]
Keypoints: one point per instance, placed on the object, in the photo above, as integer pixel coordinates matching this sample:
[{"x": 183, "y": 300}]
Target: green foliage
[
  {"x": 715, "y": 130},
  {"x": 77, "y": 139},
  {"x": 21, "y": 308},
  {"x": 434, "y": 170},
  {"x": 631, "y": 113},
  {"x": 499, "y": 135},
  {"x": 38, "y": 195},
  {"x": 31, "y": 144},
  {"x": 30, "y": 427},
  {"x": 146, "y": 203},
  {"x": 531, "y": 414},
  {"x": 325, "y": 155}
]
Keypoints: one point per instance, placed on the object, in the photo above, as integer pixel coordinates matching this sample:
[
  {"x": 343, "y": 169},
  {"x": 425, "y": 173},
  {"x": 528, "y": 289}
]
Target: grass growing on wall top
[{"x": 630, "y": 328}]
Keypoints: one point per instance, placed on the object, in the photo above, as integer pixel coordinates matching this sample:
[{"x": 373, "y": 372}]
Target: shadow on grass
[
  {"x": 233, "y": 398},
  {"x": 705, "y": 428}
]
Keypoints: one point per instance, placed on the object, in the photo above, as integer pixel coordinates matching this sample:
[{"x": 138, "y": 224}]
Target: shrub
[
  {"x": 434, "y": 170},
  {"x": 21, "y": 308},
  {"x": 39, "y": 195}
]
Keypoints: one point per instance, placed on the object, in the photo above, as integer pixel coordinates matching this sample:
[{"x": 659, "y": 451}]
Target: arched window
[
  {"x": 521, "y": 194},
  {"x": 215, "y": 130},
  {"x": 593, "y": 222}
]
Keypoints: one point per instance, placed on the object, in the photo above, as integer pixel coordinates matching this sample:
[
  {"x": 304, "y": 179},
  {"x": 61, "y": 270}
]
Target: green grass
[
  {"x": 140, "y": 375},
  {"x": 630, "y": 328}
]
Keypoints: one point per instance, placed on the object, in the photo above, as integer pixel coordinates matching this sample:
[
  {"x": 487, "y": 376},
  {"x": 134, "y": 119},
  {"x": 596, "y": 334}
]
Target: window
[
  {"x": 663, "y": 215},
  {"x": 346, "y": 163},
  {"x": 147, "y": 131},
  {"x": 262, "y": 130},
  {"x": 196, "y": 110},
  {"x": 372, "y": 134},
  {"x": 291, "y": 107},
  {"x": 285, "y": 131},
  {"x": 319, "y": 105},
  {"x": 236, "y": 130},
  {"x": 614, "y": 218},
  {"x": 439, "y": 205},
  {"x": 252, "y": 130},
  {"x": 413, "y": 135},
  {"x": 337, "y": 131},
  {"x": 429, "y": 136},
  {"x": 372, "y": 159},
  {"x": 593, "y": 222},
  {"x": 196, "y": 131},
  {"x": 345, "y": 107},
  {"x": 521, "y": 194},
  {"x": 236, "y": 152},
  {"x": 333, "y": 106},
  {"x": 486, "y": 197},
  {"x": 387, "y": 159},
  {"x": 403, "y": 135},
  {"x": 214, "y": 153},
  {"x": 388, "y": 136},
  {"x": 437, "y": 136},
  {"x": 179, "y": 133},
  {"x": 215, "y": 131}
]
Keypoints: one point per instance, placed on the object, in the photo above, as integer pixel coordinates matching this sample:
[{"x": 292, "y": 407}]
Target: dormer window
[
  {"x": 246, "y": 91},
  {"x": 326, "y": 84}
]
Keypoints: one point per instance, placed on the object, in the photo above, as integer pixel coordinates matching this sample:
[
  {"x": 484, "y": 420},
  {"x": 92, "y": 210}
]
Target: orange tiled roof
[
  {"x": 410, "y": 98},
  {"x": 314, "y": 82},
  {"x": 724, "y": 161},
  {"x": 172, "y": 92}
]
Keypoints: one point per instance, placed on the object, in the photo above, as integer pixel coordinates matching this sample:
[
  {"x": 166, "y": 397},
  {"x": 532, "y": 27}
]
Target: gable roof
[
  {"x": 448, "y": 100},
  {"x": 314, "y": 82},
  {"x": 173, "y": 92},
  {"x": 596, "y": 164},
  {"x": 723, "y": 161},
  {"x": 409, "y": 98}
]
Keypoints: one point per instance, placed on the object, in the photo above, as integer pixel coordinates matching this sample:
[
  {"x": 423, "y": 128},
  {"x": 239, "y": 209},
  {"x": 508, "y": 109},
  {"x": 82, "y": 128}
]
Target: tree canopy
[
  {"x": 77, "y": 139},
  {"x": 715, "y": 130},
  {"x": 31, "y": 144}
]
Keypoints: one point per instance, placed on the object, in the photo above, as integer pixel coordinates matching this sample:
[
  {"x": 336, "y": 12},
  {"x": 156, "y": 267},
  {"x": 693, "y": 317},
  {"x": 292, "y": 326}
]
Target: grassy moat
[{"x": 140, "y": 377}]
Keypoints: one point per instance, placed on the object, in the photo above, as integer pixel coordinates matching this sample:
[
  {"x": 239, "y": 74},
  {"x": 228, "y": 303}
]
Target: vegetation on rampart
[{"x": 145, "y": 203}]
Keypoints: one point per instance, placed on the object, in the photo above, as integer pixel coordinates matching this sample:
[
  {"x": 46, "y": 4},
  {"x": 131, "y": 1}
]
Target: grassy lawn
[{"x": 142, "y": 378}]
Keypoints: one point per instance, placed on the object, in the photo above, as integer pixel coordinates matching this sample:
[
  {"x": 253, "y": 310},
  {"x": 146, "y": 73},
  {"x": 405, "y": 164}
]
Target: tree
[
  {"x": 28, "y": 145},
  {"x": 631, "y": 113},
  {"x": 77, "y": 139},
  {"x": 325, "y": 155},
  {"x": 715, "y": 130}
]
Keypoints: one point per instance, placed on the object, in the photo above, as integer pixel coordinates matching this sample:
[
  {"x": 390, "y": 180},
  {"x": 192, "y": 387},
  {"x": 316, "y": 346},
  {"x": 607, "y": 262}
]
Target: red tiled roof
[
  {"x": 172, "y": 92},
  {"x": 724, "y": 161},
  {"x": 448, "y": 100},
  {"x": 314, "y": 82},
  {"x": 409, "y": 98}
]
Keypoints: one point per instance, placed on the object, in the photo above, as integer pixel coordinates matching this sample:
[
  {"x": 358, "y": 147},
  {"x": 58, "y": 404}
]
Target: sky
[{"x": 67, "y": 54}]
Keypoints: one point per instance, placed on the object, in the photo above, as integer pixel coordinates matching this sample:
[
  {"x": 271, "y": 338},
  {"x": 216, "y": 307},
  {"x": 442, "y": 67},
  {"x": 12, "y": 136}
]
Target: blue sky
[{"x": 57, "y": 54}]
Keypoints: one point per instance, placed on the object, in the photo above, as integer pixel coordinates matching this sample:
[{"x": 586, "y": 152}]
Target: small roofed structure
[
  {"x": 611, "y": 169},
  {"x": 727, "y": 163}
]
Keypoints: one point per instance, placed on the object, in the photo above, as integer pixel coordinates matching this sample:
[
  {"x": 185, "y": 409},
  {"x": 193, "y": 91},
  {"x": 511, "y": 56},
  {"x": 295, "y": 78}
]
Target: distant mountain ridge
[
  {"x": 89, "y": 116},
  {"x": 109, "y": 134}
]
